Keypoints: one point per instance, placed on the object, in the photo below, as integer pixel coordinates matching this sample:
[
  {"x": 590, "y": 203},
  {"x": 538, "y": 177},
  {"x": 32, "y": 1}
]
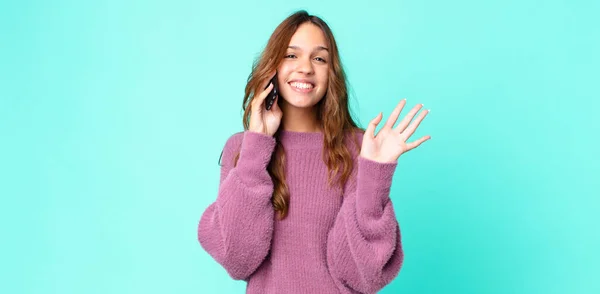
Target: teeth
[{"x": 301, "y": 85}]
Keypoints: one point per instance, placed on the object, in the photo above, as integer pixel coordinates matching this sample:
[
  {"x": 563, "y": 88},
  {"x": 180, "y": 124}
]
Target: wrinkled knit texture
[{"x": 333, "y": 240}]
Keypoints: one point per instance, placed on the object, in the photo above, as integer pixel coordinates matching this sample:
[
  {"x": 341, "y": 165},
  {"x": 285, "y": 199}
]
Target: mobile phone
[{"x": 273, "y": 94}]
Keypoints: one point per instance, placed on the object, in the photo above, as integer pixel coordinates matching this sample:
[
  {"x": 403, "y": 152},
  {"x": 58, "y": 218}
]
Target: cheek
[
  {"x": 284, "y": 69},
  {"x": 282, "y": 73},
  {"x": 324, "y": 79}
]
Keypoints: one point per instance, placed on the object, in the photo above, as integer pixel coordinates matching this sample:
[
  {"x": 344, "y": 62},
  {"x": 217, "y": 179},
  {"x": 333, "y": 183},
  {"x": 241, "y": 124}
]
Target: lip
[
  {"x": 301, "y": 90},
  {"x": 306, "y": 81}
]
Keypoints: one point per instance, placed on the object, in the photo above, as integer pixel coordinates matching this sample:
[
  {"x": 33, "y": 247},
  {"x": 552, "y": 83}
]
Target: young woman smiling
[{"x": 303, "y": 203}]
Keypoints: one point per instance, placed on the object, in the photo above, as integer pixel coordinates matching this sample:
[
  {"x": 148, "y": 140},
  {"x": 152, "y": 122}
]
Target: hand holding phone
[{"x": 267, "y": 120}]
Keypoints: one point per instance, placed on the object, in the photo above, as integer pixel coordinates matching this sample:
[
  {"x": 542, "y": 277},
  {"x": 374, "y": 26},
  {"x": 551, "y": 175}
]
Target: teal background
[{"x": 113, "y": 115}]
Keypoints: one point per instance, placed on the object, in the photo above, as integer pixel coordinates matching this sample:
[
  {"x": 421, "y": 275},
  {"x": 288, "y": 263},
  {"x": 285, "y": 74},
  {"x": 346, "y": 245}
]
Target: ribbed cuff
[
  {"x": 255, "y": 152},
  {"x": 379, "y": 172},
  {"x": 374, "y": 182}
]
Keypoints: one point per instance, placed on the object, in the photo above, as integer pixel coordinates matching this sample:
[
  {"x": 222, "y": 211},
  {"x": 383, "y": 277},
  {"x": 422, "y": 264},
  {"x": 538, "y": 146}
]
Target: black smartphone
[{"x": 273, "y": 94}]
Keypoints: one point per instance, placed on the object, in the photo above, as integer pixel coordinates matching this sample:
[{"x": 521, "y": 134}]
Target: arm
[
  {"x": 236, "y": 229},
  {"x": 364, "y": 250}
]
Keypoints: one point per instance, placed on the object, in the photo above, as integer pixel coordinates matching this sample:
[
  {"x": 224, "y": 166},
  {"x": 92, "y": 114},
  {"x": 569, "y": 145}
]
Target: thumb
[
  {"x": 370, "y": 131},
  {"x": 276, "y": 104}
]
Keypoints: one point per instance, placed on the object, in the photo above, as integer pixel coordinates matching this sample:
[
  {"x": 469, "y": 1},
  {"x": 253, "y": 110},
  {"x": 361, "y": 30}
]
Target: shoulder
[
  {"x": 353, "y": 140},
  {"x": 233, "y": 143},
  {"x": 234, "y": 139},
  {"x": 231, "y": 147},
  {"x": 355, "y": 133},
  {"x": 359, "y": 134}
]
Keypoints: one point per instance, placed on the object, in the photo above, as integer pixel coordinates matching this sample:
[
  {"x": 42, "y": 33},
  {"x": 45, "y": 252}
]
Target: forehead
[{"x": 308, "y": 36}]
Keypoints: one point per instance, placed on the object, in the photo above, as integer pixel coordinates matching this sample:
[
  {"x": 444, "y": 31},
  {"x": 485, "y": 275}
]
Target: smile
[{"x": 301, "y": 87}]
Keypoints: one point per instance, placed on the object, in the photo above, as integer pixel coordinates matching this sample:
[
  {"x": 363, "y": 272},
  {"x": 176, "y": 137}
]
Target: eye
[
  {"x": 321, "y": 59},
  {"x": 289, "y": 55}
]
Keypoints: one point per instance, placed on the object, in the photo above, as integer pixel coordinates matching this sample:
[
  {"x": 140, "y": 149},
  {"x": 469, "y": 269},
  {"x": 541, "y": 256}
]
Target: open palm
[{"x": 390, "y": 142}]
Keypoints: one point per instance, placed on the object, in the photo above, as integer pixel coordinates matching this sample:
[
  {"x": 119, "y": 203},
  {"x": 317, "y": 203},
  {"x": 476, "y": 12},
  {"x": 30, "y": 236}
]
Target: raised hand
[{"x": 390, "y": 142}]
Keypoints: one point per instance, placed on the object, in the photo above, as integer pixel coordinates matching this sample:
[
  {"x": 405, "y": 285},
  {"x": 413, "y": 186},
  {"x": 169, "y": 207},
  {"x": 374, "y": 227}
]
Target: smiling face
[{"x": 303, "y": 73}]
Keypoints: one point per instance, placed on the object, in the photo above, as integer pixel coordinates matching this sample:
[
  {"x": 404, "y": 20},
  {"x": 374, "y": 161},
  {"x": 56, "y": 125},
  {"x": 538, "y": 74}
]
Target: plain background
[{"x": 113, "y": 115}]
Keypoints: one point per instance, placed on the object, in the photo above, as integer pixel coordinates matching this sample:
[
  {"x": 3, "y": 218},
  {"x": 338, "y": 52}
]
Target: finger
[
  {"x": 259, "y": 100},
  {"x": 413, "y": 126},
  {"x": 370, "y": 131},
  {"x": 274, "y": 107},
  {"x": 404, "y": 123},
  {"x": 416, "y": 143},
  {"x": 276, "y": 103},
  {"x": 395, "y": 113},
  {"x": 266, "y": 83}
]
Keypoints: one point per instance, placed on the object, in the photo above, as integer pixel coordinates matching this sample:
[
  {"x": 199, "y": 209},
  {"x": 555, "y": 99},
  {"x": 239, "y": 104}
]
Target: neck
[{"x": 300, "y": 119}]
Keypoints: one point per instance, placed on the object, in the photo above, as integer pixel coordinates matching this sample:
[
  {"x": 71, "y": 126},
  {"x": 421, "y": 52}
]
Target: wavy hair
[{"x": 333, "y": 113}]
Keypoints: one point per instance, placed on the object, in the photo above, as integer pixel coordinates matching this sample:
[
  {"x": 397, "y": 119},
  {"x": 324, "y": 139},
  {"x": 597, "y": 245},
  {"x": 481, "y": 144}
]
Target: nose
[{"x": 305, "y": 66}]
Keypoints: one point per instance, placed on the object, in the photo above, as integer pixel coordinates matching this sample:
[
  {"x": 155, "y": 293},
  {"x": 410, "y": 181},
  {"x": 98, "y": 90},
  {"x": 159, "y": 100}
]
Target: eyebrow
[{"x": 317, "y": 48}]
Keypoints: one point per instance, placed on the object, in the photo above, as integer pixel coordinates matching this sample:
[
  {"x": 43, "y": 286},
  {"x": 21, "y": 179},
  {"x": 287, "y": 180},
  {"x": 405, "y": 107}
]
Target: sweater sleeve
[
  {"x": 364, "y": 251},
  {"x": 236, "y": 229}
]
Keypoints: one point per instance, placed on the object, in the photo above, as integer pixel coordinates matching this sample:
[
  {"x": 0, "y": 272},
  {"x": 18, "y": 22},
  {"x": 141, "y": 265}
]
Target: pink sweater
[{"x": 331, "y": 241}]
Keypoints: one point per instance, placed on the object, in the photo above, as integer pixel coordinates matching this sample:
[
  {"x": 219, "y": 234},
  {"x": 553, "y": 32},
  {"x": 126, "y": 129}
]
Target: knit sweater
[{"x": 333, "y": 240}]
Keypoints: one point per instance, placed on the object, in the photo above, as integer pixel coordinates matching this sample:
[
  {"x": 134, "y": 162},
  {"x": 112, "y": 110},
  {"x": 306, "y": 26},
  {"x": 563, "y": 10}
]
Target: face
[{"x": 303, "y": 73}]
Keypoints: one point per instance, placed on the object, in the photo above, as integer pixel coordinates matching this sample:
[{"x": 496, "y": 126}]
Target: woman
[{"x": 303, "y": 203}]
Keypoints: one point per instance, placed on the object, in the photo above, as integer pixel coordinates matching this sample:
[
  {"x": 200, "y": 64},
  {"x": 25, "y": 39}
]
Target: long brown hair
[{"x": 333, "y": 111}]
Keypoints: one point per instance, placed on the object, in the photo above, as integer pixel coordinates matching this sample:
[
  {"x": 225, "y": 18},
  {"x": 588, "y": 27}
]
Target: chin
[
  {"x": 300, "y": 104},
  {"x": 300, "y": 100}
]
